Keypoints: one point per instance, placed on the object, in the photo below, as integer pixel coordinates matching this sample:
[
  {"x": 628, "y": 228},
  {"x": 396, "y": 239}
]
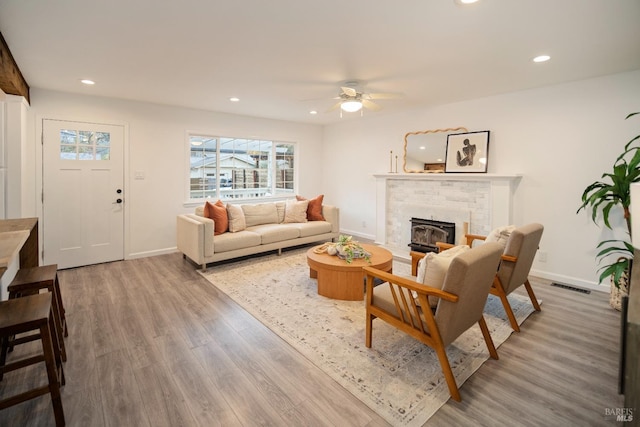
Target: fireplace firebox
[{"x": 425, "y": 233}]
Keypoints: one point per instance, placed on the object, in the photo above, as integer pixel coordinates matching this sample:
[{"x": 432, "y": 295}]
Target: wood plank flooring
[{"x": 151, "y": 343}]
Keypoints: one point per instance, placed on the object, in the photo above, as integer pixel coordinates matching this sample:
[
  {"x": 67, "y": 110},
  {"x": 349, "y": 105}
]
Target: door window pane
[
  {"x": 84, "y": 145},
  {"x": 103, "y": 139},
  {"x": 85, "y": 153},
  {"x": 102, "y": 153}
]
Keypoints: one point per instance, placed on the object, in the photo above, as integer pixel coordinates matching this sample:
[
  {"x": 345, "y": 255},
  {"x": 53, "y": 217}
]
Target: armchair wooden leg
[
  {"x": 498, "y": 291},
  {"x": 487, "y": 338},
  {"x": 448, "y": 373},
  {"x": 369, "y": 322},
  {"x": 534, "y": 300},
  {"x": 509, "y": 311}
]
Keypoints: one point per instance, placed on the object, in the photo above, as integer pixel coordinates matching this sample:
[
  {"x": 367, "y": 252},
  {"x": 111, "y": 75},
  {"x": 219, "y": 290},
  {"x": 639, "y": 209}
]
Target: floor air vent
[{"x": 571, "y": 288}]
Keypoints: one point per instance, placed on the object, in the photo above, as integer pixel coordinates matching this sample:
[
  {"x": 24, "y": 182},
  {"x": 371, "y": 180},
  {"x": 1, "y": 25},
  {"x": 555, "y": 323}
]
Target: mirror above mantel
[{"x": 425, "y": 151}]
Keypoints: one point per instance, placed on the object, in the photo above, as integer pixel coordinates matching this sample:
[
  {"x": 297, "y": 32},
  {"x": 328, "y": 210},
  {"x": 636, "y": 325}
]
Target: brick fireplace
[{"x": 475, "y": 203}]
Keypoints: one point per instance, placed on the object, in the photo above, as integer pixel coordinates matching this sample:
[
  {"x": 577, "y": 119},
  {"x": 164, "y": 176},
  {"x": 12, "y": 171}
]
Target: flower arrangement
[{"x": 345, "y": 248}]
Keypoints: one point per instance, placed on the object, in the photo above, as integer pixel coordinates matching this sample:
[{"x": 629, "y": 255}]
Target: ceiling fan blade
[
  {"x": 382, "y": 95},
  {"x": 370, "y": 105},
  {"x": 349, "y": 91},
  {"x": 334, "y": 107}
]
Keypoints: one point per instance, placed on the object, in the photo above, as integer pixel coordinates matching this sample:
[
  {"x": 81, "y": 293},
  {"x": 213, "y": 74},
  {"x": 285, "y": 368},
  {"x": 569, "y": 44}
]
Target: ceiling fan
[{"x": 352, "y": 100}]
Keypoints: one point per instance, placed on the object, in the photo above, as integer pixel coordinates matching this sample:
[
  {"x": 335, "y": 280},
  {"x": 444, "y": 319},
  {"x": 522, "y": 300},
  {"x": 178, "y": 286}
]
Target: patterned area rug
[{"x": 399, "y": 377}]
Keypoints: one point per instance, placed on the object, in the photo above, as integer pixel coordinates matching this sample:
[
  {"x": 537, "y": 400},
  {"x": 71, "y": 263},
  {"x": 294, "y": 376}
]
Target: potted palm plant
[{"x": 602, "y": 197}]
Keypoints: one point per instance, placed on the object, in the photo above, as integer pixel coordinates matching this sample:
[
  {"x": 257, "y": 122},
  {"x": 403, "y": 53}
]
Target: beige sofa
[{"x": 263, "y": 232}]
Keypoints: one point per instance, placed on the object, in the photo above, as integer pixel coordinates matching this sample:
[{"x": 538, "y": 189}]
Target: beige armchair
[
  {"x": 517, "y": 259},
  {"x": 462, "y": 300}
]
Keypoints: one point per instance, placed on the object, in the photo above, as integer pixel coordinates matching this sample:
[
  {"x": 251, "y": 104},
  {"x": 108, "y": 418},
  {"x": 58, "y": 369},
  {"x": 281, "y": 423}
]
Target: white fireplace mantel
[{"x": 501, "y": 189}]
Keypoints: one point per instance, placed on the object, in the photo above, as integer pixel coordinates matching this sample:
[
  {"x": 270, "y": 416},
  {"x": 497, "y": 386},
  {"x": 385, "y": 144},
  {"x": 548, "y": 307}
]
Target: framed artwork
[{"x": 467, "y": 152}]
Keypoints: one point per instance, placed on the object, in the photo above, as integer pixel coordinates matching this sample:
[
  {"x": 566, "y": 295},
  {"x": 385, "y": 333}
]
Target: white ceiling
[{"x": 283, "y": 58}]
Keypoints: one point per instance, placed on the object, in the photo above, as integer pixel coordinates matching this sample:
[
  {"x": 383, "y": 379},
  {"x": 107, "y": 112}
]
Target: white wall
[
  {"x": 561, "y": 138},
  {"x": 156, "y": 145},
  {"x": 18, "y": 159}
]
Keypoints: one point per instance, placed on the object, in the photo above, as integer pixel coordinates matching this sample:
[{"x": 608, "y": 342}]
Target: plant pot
[{"x": 616, "y": 293}]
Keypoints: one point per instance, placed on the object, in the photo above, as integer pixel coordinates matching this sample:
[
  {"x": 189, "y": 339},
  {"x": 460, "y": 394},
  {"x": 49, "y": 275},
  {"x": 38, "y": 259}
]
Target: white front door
[{"x": 83, "y": 193}]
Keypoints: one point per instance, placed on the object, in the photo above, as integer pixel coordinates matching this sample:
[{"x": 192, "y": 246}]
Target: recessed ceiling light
[
  {"x": 234, "y": 99},
  {"x": 313, "y": 112},
  {"x": 541, "y": 58},
  {"x": 87, "y": 82},
  {"x": 465, "y": 1}
]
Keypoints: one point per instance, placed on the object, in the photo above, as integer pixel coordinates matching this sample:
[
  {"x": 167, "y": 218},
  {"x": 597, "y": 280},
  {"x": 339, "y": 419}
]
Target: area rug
[{"x": 399, "y": 377}]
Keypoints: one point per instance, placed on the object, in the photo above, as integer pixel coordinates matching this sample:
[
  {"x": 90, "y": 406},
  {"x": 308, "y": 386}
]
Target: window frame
[{"x": 275, "y": 192}]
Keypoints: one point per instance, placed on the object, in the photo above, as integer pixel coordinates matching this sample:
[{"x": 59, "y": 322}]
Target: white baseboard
[
  {"x": 146, "y": 254},
  {"x": 568, "y": 280},
  {"x": 358, "y": 235}
]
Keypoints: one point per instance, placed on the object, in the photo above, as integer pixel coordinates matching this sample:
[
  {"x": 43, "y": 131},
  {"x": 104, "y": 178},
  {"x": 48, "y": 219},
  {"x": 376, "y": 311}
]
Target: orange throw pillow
[
  {"x": 218, "y": 213},
  {"x": 314, "y": 211}
]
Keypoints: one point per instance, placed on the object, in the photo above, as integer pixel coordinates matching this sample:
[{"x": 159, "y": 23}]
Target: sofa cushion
[
  {"x": 218, "y": 213},
  {"x": 238, "y": 240},
  {"x": 271, "y": 233},
  {"x": 262, "y": 213},
  {"x": 295, "y": 211},
  {"x": 313, "y": 228},
  {"x": 236, "y": 218},
  {"x": 314, "y": 210}
]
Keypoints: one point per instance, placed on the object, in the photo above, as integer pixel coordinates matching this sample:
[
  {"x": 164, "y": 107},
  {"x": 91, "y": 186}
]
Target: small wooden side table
[{"x": 338, "y": 279}]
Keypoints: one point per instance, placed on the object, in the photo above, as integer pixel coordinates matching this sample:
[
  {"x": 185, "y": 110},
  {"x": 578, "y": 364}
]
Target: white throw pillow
[
  {"x": 262, "y": 213},
  {"x": 501, "y": 235},
  {"x": 236, "y": 218},
  {"x": 295, "y": 211},
  {"x": 433, "y": 267}
]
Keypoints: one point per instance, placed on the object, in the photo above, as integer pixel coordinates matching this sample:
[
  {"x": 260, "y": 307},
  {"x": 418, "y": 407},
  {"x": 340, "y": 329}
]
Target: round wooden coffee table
[{"x": 339, "y": 280}]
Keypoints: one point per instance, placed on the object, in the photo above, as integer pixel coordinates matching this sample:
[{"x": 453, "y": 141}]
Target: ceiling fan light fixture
[{"x": 351, "y": 106}]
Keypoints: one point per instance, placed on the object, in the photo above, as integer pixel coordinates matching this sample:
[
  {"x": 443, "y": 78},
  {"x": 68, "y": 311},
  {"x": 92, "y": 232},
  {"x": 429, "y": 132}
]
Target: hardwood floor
[{"x": 151, "y": 343}]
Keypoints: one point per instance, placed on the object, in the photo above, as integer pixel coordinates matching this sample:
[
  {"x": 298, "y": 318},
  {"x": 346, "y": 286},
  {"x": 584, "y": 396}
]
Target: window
[
  {"x": 237, "y": 168},
  {"x": 84, "y": 145}
]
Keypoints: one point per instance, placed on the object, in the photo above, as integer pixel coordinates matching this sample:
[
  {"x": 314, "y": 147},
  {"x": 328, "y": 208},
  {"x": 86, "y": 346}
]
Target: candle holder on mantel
[{"x": 391, "y": 161}]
